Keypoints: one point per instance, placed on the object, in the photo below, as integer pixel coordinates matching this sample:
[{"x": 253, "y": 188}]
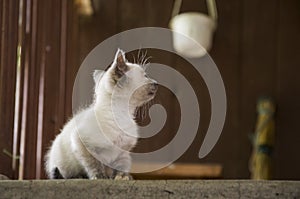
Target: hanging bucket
[{"x": 197, "y": 28}]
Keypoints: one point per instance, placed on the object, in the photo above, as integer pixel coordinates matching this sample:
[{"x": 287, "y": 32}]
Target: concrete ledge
[{"x": 149, "y": 189}]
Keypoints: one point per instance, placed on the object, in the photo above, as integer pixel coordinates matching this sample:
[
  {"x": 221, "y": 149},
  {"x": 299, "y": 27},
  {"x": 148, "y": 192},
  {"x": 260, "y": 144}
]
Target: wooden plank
[
  {"x": 2, "y": 12},
  {"x": 157, "y": 14},
  {"x": 20, "y": 89},
  {"x": 9, "y": 43},
  {"x": 72, "y": 60},
  {"x": 45, "y": 62},
  {"x": 50, "y": 86},
  {"x": 193, "y": 6},
  {"x": 127, "y": 20},
  {"x": 179, "y": 171},
  {"x": 28, "y": 142},
  {"x": 225, "y": 53},
  {"x": 98, "y": 28},
  {"x": 65, "y": 20},
  {"x": 54, "y": 60},
  {"x": 287, "y": 162},
  {"x": 258, "y": 69}
]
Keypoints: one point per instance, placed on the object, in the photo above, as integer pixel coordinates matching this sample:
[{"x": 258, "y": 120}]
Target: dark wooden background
[{"x": 256, "y": 48}]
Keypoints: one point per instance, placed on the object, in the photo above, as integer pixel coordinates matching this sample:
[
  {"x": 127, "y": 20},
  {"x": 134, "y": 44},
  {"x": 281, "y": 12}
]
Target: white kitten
[{"x": 103, "y": 134}]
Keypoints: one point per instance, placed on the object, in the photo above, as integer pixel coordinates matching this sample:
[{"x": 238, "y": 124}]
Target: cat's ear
[
  {"x": 97, "y": 75},
  {"x": 120, "y": 63}
]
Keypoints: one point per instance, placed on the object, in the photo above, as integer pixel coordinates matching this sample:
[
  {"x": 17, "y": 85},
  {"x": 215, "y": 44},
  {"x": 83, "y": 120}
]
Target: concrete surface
[{"x": 149, "y": 189}]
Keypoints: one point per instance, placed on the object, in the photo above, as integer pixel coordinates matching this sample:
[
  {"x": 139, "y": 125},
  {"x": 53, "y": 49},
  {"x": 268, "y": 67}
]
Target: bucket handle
[{"x": 211, "y": 7}]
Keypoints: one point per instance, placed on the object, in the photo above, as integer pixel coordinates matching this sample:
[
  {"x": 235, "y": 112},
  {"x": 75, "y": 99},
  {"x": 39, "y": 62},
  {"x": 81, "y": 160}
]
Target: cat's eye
[{"x": 146, "y": 76}]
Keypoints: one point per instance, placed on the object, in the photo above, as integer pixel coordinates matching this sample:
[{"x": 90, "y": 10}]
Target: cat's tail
[{"x": 55, "y": 174}]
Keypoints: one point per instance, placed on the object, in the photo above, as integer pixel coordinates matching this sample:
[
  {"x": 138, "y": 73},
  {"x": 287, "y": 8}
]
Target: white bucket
[{"x": 195, "y": 26}]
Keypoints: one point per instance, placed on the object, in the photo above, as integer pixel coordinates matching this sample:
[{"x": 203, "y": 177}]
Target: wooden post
[{"x": 8, "y": 55}]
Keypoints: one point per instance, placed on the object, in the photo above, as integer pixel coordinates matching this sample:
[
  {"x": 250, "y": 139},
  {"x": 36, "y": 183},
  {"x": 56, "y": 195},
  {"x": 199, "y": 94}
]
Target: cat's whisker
[
  {"x": 145, "y": 64},
  {"x": 138, "y": 55},
  {"x": 143, "y": 57}
]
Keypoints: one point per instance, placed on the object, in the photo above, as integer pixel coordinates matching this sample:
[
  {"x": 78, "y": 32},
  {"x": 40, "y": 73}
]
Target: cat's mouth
[
  {"x": 153, "y": 89},
  {"x": 151, "y": 93}
]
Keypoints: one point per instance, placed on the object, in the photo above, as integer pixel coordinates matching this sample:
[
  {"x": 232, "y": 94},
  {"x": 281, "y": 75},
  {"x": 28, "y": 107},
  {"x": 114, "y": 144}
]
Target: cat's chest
[{"x": 124, "y": 141}]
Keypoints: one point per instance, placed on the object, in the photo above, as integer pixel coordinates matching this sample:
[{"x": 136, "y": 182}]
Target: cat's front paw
[
  {"x": 123, "y": 176},
  {"x": 99, "y": 176},
  {"x": 94, "y": 178}
]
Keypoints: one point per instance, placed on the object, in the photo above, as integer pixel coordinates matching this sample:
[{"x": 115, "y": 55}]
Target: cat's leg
[
  {"x": 93, "y": 167},
  {"x": 121, "y": 167}
]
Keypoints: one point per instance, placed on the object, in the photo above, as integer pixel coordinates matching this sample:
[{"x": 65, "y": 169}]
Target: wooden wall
[
  {"x": 44, "y": 31},
  {"x": 8, "y": 46},
  {"x": 256, "y": 47}
]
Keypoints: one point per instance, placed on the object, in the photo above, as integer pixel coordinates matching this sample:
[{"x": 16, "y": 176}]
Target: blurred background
[{"x": 256, "y": 47}]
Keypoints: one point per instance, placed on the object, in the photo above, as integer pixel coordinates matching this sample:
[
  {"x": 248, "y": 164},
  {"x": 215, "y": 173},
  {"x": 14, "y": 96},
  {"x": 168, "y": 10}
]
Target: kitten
[{"x": 103, "y": 134}]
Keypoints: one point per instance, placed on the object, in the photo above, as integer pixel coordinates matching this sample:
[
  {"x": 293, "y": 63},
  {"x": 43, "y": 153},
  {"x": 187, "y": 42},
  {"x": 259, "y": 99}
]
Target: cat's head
[{"x": 123, "y": 78}]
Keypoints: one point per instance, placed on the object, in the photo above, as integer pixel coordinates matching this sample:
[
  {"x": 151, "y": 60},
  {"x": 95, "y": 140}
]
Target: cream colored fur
[{"x": 92, "y": 141}]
